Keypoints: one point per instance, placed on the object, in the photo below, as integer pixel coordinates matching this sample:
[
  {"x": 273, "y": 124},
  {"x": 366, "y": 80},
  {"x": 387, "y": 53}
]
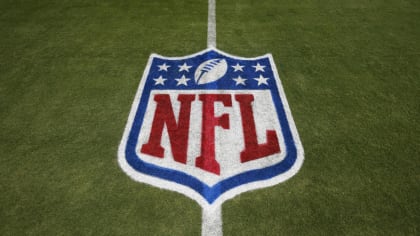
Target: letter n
[{"x": 178, "y": 133}]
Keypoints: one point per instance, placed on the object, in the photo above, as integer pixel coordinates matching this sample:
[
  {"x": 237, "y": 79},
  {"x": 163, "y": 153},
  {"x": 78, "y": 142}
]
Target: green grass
[{"x": 69, "y": 71}]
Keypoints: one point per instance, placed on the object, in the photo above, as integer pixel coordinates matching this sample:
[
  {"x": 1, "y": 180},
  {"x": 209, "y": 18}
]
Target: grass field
[{"x": 69, "y": 71}]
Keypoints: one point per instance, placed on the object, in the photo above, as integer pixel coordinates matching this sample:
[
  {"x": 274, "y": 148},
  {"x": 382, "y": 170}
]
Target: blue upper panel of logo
[{"x": 168, "y": 73}]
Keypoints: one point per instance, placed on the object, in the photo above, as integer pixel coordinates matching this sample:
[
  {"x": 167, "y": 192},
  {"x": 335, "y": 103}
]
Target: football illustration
[{"x": 210, "y": 71}]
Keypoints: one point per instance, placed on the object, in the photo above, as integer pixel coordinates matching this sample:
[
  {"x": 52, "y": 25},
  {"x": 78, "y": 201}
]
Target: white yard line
[
  {"x": 211, "y": 26},
  {"x": 211, "y": 224}
]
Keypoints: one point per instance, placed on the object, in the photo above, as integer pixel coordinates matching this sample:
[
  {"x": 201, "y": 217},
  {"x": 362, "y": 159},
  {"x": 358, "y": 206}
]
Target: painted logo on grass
[{"x": 210, "y": 126}]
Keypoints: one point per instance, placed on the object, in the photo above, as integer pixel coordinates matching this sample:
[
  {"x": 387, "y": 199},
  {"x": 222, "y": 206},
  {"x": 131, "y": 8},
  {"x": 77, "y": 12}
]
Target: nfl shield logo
[{"x": 210, "y": 126}]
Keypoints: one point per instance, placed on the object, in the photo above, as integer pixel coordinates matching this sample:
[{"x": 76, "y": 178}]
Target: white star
[
  {"x": 183, "y": 80},
  {"x": 239, "y": 80},
  {"x": 184, "y": 67},
  {"x": 261, "y": 80},
  {"x": 160, "y": 80},
  {"x": 238, "y": 67},
  {"x": 259, "y": 67},
  {"x": 163, "y": 67}
]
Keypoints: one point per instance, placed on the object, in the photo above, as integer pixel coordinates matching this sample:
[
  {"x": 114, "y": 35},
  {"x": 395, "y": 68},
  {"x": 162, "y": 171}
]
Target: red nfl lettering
[{"x": 178, "y": 132}]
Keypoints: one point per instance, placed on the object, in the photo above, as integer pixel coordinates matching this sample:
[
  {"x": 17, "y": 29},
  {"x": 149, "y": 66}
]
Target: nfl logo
[{"x": 210, "y": 126}]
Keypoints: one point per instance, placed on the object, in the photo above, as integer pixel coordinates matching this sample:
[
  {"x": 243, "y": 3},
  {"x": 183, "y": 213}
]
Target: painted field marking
[
  {"x": 210, "y": 125},
  {"x": 211, "y": 25}
]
